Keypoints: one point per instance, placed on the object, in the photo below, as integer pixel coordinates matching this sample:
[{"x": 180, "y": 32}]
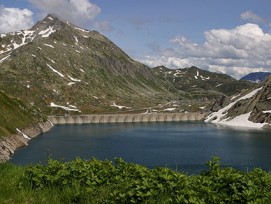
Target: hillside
[
  {"x": 256, "y": 77},
  {"x": 251, "y": 109},
  {"x": 199, "y": 84},
  {"x": 16, "y": 114},
  {"x": 60, "y": 68}
]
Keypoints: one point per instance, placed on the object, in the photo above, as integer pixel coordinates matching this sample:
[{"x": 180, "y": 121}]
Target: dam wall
[{"x": 126, "y": 118}]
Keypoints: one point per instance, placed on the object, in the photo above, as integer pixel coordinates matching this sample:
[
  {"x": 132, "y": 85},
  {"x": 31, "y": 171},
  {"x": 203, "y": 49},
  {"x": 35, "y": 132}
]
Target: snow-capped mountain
[
  {"x": 57, "y": 65},
  {"x": 251, "y": 109}
]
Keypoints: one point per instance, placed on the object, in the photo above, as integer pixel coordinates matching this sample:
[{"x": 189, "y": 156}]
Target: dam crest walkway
[{"x": 126, "y": 118}]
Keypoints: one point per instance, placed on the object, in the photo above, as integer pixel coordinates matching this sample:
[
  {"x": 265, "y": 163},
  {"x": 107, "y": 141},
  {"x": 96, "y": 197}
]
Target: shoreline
[{"x": 10, "y": 143}]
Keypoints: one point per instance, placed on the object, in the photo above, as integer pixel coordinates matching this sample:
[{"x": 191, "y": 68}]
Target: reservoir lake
[{"x": 182, "y": 146}]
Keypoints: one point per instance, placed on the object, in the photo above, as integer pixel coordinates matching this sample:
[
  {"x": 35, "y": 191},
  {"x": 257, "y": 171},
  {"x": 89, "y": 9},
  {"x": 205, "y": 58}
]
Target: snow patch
[
  {"x": 71, "y": 83},
  {"x": 202, "y": 77},
  {"x": 46, "y": 33},
  {"x": 269, "y": 111},
  {"x": 73, "y": 79},
  {"x": 77, "y": 28},
  {"x": 170, "y": 109},
  {"x": 82, "y": 70},
  {"x": 76, "y": 39},
  {"x": 241, "y": 120},
  {"x": 234, "y": 97},
  {"x": 3, "y": 59},
  {"x": 77, "y": 51},
  {"x": 52, "y": 104},
  {"x": 119, "y": 107},
  {"x": 54, "y": 70},
  {"x": 177, "y": 73},
  {"x": 95, "y": 97},
  {"x": 48, "y": 45},
  {"x": 218, "y": 85},
  {"x": 24, "y": 135}
]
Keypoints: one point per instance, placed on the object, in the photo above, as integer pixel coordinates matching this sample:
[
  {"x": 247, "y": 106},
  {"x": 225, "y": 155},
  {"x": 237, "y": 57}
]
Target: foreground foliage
[{"x": 96, "y": 181}]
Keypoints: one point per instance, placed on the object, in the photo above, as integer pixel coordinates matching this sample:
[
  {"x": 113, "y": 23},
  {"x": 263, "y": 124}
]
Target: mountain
[
  {"x": 200, "y": 84},
  {"x": 19, "y": 122},
  {"x": 17, "y": 115},
  {"x": 251, "y": 109},
  {"x": 60, "y": 67},
  {"x": 256, "y": 77}
]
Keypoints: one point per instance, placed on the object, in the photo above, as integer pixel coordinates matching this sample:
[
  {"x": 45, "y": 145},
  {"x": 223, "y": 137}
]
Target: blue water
[{"x": 184, "y": 146}]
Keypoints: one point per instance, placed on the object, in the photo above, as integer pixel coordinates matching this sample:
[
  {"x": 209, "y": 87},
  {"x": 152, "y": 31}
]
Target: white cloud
[
  {"x": 76, "y": 11},
  {"x": 236, "y": 51},
  {"x": 252, "y": 17},
  {"x": 13, "y": 19}
]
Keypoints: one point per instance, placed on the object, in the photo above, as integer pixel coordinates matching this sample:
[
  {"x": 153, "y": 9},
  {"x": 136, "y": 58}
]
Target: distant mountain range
[
  {"x": 62, "y": 68},
  {"x": 197, "y": 83},
  {"x": 256, "y": 77}
]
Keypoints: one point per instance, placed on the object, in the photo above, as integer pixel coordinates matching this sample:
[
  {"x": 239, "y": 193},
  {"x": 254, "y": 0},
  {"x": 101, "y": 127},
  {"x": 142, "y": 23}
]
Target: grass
[{"x": 15, "y": 114}]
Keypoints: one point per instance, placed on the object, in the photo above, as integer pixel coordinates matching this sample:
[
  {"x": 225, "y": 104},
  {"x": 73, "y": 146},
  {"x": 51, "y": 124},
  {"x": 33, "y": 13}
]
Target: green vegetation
[
  {"x": 15, "y": 114},
  {"x": 96, "y": 181}
]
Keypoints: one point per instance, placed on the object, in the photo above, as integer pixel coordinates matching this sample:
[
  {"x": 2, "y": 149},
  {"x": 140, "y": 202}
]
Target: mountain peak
[{"x": 51, "y": 20}]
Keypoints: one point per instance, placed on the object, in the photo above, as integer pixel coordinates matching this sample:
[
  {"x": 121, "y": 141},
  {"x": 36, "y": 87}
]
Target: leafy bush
[{"x": 122, "y": 182}]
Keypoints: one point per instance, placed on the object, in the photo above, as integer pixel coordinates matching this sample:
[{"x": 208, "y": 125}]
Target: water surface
[{"x": 184, "y": 146}]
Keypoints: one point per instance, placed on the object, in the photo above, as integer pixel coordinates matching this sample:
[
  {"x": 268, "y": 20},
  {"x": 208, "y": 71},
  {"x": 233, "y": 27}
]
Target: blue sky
[{"x": 232, "y": 37}]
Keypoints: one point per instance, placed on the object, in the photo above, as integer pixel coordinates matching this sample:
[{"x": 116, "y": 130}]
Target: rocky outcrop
[
  {"x": 10, "y": 143},
  {"x": 220, "y": 103},
  {"x": 250, "y": 110}
]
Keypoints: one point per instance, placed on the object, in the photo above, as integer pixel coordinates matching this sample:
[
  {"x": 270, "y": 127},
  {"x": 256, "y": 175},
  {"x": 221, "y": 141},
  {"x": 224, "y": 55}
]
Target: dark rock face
[{"x": 219, "y": 103}]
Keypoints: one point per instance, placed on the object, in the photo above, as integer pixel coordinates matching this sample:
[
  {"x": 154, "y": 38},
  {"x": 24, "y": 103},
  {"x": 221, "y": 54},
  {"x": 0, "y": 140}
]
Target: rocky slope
[
  {"x": 59, "y": 66},
  {"x": 251, "y": 109},
  {"x": 197, "y": 83},
  {"x": 19, "y": 123}
]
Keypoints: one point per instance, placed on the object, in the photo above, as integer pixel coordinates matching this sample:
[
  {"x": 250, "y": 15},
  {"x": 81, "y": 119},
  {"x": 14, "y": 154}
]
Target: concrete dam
[{"x": 126, "y": 118}]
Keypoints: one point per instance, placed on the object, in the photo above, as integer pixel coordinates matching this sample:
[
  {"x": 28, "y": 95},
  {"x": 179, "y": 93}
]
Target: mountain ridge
[
  {"x": 256, "y": 77},
  {"x": 56, "y": 61},
  {"x": 200, "y": 83},
  {"x": 64, "y": 69}
]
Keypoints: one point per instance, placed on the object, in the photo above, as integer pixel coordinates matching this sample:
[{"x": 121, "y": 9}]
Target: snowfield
[{"x": 219, "y": 117}]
